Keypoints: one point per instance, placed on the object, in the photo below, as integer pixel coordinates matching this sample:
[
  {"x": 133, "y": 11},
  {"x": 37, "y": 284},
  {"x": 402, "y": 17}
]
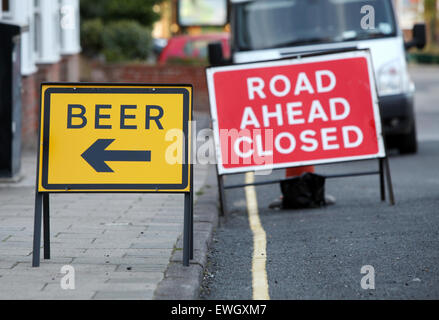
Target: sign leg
[
  {"x": 222, "y": 195},
  {"x": 389, "y": 181},
  {"x": 191, "y": 242},
  {"x": 191, "y": 231},
  {"x": 186, "y": 229},
  {"x": 382, "y": 185},
  {"x": 37, "y": 229},
  {"x": 46, "y": 225}
]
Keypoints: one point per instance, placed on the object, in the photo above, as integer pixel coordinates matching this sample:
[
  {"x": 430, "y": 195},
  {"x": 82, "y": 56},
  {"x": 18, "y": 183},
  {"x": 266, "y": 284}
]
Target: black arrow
[{"x": 96, "y": 155}]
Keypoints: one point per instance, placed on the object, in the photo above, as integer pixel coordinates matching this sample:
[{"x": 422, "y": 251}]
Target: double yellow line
[{"x": 259, "y": 260}]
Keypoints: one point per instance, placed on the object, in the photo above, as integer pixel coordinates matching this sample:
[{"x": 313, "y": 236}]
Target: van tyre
[{"x": 408, "y": 143}]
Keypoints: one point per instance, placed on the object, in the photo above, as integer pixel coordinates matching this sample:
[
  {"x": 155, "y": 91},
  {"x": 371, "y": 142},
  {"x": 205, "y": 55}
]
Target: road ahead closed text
[{"x": 295, "y": 112}]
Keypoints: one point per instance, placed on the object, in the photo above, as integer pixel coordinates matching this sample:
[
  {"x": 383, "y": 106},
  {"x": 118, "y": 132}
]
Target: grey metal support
[
  {"x": 382, "y": 182},
  {"x": 389, "y": 181},
  {"x": 191, "y": 245},
  {"x": 37, "y": 229},
  {"x": 187, "y": 229},
  {"x": 222, "y": 195},
  {"x": 46, "y": 225}
]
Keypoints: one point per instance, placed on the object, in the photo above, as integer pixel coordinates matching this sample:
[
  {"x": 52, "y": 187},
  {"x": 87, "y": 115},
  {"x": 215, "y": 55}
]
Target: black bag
[{"x": 305, "y": 191}]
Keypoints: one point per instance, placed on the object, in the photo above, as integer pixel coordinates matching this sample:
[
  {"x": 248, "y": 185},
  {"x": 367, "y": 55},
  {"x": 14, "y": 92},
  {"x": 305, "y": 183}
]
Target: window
[
  {"x": 196, "y": 49},
  {"x": 5, "y": 5},
  {"x": 6, "y": 9},
  {"x": 285, "y": 23},
  {"x": 202, "y": 13}
]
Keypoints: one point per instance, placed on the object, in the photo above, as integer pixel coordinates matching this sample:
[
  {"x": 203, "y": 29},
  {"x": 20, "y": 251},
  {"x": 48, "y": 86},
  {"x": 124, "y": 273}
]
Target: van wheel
[{"x": 407, "y": 143}]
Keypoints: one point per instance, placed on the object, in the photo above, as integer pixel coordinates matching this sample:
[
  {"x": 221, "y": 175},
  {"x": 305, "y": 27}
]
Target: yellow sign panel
[{"x": 117, "y": 138}]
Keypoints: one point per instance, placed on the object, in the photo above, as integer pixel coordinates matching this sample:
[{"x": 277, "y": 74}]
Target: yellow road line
[{"x": 259, "y": 260}]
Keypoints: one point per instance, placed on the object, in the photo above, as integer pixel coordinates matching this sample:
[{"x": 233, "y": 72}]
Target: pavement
[{"x": 121, "y": 246}]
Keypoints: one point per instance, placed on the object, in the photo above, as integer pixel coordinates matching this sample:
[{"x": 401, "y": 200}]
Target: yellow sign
[{"x": 120, "y": 138}]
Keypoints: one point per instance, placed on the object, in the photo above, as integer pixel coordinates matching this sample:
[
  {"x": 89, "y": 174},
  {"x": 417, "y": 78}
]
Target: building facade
[
  {"x": 409, "y": 12},
  {"x": 49, "y": 51}
]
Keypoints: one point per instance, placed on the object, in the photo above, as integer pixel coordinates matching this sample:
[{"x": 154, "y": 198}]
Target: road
[{"x": 319, "y": 253}]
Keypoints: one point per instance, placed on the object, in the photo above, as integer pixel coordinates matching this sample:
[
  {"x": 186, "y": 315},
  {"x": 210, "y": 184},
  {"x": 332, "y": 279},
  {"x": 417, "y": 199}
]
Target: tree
[
  {"x": 431, "y": 20},
  {"x": 118, "y": 30}
]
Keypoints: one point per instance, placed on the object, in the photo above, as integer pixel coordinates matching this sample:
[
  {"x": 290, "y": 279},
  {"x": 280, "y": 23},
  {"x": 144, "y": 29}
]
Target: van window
[
  {"x": 283, "y": 23},
  {"x": 196, "y": 48}
]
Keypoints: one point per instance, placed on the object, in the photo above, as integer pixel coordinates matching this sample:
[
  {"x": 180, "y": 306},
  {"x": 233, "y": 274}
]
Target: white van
[{"x": 275, "y": 29}]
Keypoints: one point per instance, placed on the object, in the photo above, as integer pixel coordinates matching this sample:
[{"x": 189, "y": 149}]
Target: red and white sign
[{"x": 295, "y": 112}]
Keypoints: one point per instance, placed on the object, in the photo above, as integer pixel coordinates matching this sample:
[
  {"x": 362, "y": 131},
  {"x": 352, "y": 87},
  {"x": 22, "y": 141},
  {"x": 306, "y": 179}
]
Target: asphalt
[{"x": 319, "y": 253}]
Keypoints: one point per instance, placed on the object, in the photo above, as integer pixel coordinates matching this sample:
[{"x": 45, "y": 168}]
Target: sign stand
[
  {"x": 46, "y": 225},
  {"x": 301, "y": 89},
  {"x": 188, "y": 228},
  {"x": 37, "y": 229},
  {"x": 181, "y": 185},
  {"x": 191, "y": 225},
  {"x": 42, "y": 210},
  {"x": 389, "y": 183},
  {"x": 222, "y": 195}
]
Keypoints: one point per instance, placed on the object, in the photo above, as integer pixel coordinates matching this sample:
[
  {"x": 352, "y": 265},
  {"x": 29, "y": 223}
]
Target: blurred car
[
  {"x": 158, "y": 45},
  {"x": 193, "y": 47}
]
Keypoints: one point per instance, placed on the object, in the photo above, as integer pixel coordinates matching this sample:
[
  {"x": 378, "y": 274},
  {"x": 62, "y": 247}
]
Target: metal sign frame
[
  {"x": 382, "y": 157},
  {"x": 42, "y": 202}
]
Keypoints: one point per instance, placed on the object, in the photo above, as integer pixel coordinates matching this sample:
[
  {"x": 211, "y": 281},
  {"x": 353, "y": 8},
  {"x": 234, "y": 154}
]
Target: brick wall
[
  {"x": 70, "y": 68},
  {"x": 93, "y": 71},
  {"x": 29, "y": 111},
  {"x": 74, "y": 68}
]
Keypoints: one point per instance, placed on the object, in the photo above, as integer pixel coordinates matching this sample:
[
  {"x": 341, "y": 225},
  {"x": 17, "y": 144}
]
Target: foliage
[
  {"x": 118, "y": 30},
  {"x": 126, "y": 40},
  {"x": 91, "y": 36},
  {"x": 431, "y": 20},
  {"x": 111, "y": 10}
]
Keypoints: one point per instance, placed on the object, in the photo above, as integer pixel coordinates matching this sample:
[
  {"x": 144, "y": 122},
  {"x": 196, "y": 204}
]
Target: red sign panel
[{"x": 287, "y": 113}]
